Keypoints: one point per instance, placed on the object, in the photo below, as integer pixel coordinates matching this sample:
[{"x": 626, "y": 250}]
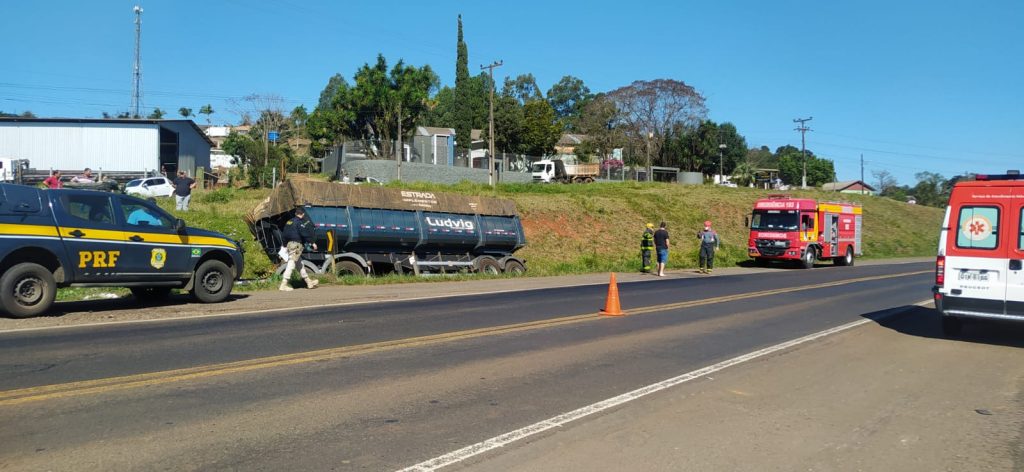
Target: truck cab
[
  {"x": 548, "y": 170},
  {"x": 978, "y": 269},
  {"x": 804, "y": 231},
  {"x": 61, "y": 238}
]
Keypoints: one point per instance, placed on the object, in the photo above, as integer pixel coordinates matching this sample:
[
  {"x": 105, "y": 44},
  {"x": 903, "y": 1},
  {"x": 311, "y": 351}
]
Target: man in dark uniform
[
  {"x": 709, "y": 243},
  {"x": 646, "y": 247},
  {"x": 298, "y": 231}
]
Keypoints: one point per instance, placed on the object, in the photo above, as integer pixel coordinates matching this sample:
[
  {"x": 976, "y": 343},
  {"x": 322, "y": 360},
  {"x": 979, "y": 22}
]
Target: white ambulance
[{"x": 978, "y": 271}]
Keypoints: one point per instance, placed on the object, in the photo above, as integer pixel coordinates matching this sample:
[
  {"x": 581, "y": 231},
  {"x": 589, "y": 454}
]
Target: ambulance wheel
[
  {"x": 212, "y": 282},
  {"x": 27, "y": 289},
  {"x": 846, "y": 260},
  {"x": 514, "y": 267},
  {"x": 151, "y": 293},
  {"x": 487, "y": 265},
  {"x": 951, "y": 326},
  {"x": 349, "y": 268},
  {"x": 808, "y": 260}
]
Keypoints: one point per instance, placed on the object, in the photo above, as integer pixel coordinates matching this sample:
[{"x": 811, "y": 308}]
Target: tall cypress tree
[
  {"x": 462, "y": 60},
  {"x": 463, "y": 109}
]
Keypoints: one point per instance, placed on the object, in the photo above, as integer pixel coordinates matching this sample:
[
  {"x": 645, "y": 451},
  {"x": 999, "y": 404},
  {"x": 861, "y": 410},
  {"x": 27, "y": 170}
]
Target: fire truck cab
[
  {"x": 802, "y": 230},
  {"x": 978, "y": 271}
]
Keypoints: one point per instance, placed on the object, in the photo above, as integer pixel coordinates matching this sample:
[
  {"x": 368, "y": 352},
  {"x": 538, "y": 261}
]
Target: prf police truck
[
  {"x": 84, "y": 238},
  {"x": 803, "y": 230}
]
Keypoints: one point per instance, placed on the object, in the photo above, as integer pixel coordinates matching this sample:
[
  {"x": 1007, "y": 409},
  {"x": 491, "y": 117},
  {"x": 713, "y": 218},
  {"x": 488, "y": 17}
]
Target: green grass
[{"x": 587, "y": 228}]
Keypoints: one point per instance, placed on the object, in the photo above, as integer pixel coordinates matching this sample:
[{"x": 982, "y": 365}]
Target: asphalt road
[{"x": 383, "y": 386}]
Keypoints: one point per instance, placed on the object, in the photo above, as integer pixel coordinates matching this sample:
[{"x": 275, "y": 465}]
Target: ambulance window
[
  {"x": 978, "y": 227},
  {"x": 1020, "y": 230}
]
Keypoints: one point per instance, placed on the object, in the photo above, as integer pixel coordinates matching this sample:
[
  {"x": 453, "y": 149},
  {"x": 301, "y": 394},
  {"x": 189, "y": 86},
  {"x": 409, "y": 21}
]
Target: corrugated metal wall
[
  {"x": 70, "y": 146},
  {"x": 193, "y": 150}
]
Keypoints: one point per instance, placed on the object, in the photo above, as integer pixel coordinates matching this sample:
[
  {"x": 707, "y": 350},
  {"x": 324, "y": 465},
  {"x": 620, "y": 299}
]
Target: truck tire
[
  {"x": 588, "y": 180},
  {"x": 514, "y": 267},
  {"x": 349, "y": 268},
  {"x": 845, "y": 260},
  {"x": 951, "y": 326},
  {"x": 212, "y": 282},
  {"x": 807, "y": 262},
  {"x": 150, "y": 293},
  {"x": 487, "y": 265},
  {"x": 27, "y": 290}
]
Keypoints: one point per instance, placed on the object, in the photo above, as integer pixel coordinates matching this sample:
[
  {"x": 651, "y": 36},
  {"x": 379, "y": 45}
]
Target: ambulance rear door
[
  {"x": 1015, "y": 274},
  {"x": 977, "y": 252}
]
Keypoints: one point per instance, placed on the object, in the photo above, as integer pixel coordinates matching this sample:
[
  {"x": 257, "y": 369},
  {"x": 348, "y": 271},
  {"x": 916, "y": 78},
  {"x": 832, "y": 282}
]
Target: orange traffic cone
[{"x": 611, "y": 307}]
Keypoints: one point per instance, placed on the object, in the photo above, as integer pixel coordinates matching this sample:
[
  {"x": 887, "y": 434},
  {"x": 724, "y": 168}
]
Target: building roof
[
  {"x": 570, "y": 139},
  {"x": 199, "y": 131},
  {"x": 434, "y": 131},
  {"x": 849, "y": 184}
]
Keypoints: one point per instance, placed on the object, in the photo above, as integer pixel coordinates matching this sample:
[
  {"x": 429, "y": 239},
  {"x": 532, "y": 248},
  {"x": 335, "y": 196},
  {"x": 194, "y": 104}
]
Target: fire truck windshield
[{"x": 775, "y": 220}]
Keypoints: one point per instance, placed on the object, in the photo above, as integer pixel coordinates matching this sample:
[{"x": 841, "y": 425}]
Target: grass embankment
[{"x": 574, "y": 229}]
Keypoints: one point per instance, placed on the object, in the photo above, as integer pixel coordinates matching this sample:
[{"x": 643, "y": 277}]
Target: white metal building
[{"x": 113, "y": 145}]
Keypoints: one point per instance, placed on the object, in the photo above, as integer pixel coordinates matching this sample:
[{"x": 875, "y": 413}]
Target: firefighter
[
  {"x": 646, "y": 247},
  {"x": 298, "y": 231},
  {"x": 709, "y": 243}
]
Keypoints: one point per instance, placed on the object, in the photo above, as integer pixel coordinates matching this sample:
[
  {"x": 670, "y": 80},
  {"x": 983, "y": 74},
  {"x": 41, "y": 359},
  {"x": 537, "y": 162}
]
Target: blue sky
[{"x": 912, "y": 85}]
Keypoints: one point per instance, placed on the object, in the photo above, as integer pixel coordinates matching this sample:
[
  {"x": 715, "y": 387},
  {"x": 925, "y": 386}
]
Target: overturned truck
[{"x": 364, "y": 230}]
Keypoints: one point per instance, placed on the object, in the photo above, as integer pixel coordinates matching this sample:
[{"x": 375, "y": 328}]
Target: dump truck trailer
[{"x": 364, "y": 230}]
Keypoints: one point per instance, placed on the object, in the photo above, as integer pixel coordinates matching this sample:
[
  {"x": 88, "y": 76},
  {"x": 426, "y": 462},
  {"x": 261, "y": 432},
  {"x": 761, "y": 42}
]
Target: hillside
[{"x": 597, "y": 227}]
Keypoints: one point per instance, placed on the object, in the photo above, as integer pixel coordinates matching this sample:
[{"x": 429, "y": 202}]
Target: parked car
[
  {"x": 728, "y": 184},
  {"x": 151, "y": 187}
]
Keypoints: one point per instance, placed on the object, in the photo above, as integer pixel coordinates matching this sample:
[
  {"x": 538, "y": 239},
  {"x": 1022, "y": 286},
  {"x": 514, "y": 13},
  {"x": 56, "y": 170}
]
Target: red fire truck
[{"x": 801, "y": 229}]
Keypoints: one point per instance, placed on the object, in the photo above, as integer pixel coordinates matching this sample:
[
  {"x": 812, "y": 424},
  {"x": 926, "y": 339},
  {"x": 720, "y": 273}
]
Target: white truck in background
[{"x": 554, "y": 170}]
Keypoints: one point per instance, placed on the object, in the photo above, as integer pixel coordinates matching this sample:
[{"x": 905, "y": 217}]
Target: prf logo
[
  {"x": 97, "y": 259},
  {"x": 158, "y": 257}
]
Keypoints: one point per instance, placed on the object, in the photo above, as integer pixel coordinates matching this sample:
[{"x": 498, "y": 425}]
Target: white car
[{"x": 151, "y": 187}]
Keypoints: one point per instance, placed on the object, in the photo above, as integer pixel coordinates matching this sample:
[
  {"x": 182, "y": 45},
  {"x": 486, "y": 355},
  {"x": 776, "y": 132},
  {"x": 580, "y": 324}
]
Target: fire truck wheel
[
  {"x": 28, "y": 290},
  {"x": 808, "y": 260},
  {"x": 951, "y": 326},
  {"x": 846, "y": 260}
]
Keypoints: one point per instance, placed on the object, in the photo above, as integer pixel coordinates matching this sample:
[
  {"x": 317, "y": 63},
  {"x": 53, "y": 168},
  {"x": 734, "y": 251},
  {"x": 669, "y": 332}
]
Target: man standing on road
[
  {"x": 183, "y": 186},
  {"x": 646, "y": 246},
  {"x": 661, "y": 245},
  {"x": 298, "y": 232},
  {"x": 708, "y": 245}
]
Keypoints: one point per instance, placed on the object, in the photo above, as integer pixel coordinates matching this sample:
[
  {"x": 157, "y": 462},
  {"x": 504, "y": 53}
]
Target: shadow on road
[
  {"x": 925, "y": 322},
  {"x": 124, "y": 303}
]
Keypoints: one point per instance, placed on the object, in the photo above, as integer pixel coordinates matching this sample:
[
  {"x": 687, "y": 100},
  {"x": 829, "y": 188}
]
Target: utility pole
[
  {"x": 862, "y": 174},
  {"x": 137, "y": 69},
  {"x": 490, "y": 141},
  {"x": 803, "y": 129},
  {"x": 399, "y": 151}
]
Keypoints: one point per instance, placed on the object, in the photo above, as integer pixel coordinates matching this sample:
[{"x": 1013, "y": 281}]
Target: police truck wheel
[
  {"x": 350, "y": 268},
  {"x": 212, "y": 282},
  {"x": 488, "y": 265},
  {"x": 151, "y": 293},
  {"x": 808, "y": 260},
  {"x": 514, "y": 267},
  {"x": 27, "y": 289}
]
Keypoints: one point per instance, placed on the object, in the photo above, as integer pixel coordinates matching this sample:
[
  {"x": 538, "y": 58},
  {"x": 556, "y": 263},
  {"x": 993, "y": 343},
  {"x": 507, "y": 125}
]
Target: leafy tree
[
  {"x": 206, "y": 110},
  {"x": 541, "y": 129},
  {"x": 508, "y": 124},
  {"x": 699, "y": 150},
  {"x": 885, "y": 180},
  {"x": 932, "y": 189},
  {"x": 568, "y": 97},
  {"x": 651, "y": 111},
  {"x": 791, "y": 165},
  {"x": 24, "y": 114},
  {"x": 597, "y": 120},
  {"x": 523, "y": 88},
  {"x": 156, "y": 114}
]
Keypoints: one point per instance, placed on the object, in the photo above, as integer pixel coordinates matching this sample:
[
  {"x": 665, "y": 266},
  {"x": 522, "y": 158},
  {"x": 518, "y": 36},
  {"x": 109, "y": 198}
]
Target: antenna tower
[{"x": 137, "y": 69}]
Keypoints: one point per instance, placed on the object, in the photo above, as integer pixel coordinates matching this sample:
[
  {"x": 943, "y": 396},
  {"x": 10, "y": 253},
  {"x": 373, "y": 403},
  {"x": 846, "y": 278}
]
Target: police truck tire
[
  {"x": 27, "y": 290},
  {"x": 349, "y": 268},
  {"x": 212, "y": 282},
  {"x": 807, "y": 262},
  {"x": 151, "y": 293},
  {"x": 514, "y": 267},
  {"x": 487, "y": 265}
]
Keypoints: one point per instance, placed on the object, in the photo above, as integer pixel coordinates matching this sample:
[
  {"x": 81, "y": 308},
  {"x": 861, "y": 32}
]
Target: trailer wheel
[
  {"x": 514, "y": 267},
  {"x": 588, "y": 180},
  {"x": 27, "y": 289},
  {"x": 212, "y": 282},
  {"x": 846, "y": 260},
  {"x": 487, "y": 265},
  {"x": 350, "y": 268},
  {"x": 807, "y": 262}
]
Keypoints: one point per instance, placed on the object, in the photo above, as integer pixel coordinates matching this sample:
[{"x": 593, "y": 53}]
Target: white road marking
[{"x": 557, "y": 421}]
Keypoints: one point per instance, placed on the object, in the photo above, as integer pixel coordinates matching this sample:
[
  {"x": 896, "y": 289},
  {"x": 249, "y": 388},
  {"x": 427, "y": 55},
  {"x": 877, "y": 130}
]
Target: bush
[{"x": 223, "y": 195}]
